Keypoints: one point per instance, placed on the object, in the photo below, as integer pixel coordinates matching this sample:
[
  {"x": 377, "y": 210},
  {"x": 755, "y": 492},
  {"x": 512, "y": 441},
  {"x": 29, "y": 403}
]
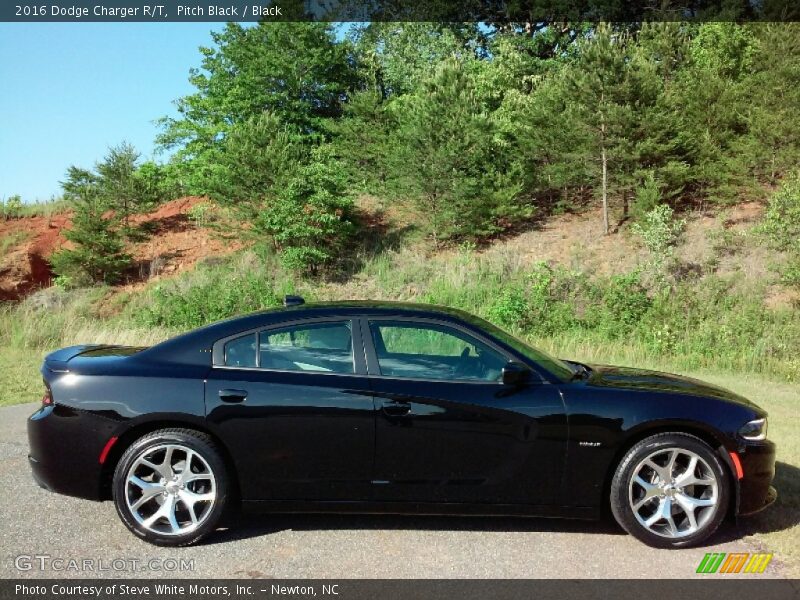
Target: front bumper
[{"x": 755, "y": 488}]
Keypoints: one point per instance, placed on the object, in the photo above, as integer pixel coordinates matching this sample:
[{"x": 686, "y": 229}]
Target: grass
[
  {"x": 47, "y": 208},
  {"x": 12, "y": 240}
]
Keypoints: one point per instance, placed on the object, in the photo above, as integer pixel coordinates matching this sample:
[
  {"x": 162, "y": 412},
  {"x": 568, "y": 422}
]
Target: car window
[
  {"x": 241, "y": 352},
  {"x": 431, "y": 351},
  {"x": 320, "y": 347}
]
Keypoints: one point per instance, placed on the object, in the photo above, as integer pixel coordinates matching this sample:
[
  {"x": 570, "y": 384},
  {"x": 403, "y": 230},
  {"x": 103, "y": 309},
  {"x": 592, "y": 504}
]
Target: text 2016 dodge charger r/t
[{"x": 390, "y": 407}]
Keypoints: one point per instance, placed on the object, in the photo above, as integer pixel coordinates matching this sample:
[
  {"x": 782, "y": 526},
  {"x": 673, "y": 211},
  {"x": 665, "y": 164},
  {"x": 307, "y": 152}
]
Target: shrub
[
  {"x": 12, "y": 209},
  {"x": 624, "y": 304},
  {"x": 213, "y": 292},
  {"x": 201, "y": 213},
  {"x": 781, "y": 227},
  {"x": 781, "y": 223},
  {"x": 511, "y": 308},
  {"x": 659, "y": 232}
]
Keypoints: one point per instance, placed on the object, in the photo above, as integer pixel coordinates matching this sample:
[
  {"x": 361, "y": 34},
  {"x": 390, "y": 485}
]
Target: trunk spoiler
[{"x": 57, "y": 361}]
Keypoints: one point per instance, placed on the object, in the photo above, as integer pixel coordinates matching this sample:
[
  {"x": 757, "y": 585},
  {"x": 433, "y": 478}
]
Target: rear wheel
[
  {"x": 170, "y": 487},
  {"x": 670, "y": 491}
]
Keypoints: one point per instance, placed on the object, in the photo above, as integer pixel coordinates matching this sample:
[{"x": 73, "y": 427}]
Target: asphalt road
[{"x": 34, "y": 522}]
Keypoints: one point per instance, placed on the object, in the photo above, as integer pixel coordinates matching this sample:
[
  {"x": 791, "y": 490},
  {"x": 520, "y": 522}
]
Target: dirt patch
[
  {"x": 575, "y": 241},
  {"x": 174, "y": 244}
]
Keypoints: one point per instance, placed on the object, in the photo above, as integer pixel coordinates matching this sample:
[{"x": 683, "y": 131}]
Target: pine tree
[
  {"x": 97, "y": 252},
  {"x": 447, "y": 159},
  {"x": 284, "y": 192},
  {"x": 119, "y": 186},
  {"x": 599, "y": 83}
]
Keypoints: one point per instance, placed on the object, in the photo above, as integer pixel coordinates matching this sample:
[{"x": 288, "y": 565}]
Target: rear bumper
[
  {"x": 65, "y": 446},
  {"x": 755, "y": 488}
]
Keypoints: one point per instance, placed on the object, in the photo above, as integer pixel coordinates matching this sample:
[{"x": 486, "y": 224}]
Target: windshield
[{"x": 556, "y": 366}]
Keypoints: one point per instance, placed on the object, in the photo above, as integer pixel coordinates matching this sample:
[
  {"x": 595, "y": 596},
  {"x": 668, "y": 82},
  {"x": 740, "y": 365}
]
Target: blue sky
[{"x": 68, "y": 91}]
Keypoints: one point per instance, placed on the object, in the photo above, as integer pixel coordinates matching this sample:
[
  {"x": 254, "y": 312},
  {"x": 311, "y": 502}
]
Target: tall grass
[
  {"x": 10, "y": 240},
  {"x": 716, "y": 323},
  {"x": 44, "y": 208}
]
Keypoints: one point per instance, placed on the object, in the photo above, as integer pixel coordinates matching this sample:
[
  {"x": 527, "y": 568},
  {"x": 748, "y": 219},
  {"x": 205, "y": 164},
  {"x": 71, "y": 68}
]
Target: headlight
[{"x": 755, "y": 430}]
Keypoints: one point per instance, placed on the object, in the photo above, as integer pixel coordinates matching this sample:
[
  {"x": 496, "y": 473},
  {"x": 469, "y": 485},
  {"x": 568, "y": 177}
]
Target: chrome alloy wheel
[
  {"x": 170, "y": 489},
  {"x": 673, "y": 492}
]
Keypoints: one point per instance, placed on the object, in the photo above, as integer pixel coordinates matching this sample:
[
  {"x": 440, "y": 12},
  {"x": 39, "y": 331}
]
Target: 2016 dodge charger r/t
[{"x": 390, "y": 407}]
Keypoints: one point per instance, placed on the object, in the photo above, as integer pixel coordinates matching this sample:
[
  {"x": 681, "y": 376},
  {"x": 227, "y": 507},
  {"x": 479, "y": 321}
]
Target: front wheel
[
  {"x": 170, "y": 487},
  {"x": 670, "y": 491}
]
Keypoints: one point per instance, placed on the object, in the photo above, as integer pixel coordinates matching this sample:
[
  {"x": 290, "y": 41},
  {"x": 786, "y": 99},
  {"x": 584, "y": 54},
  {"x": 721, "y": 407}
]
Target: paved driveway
[{"x": 35, "y": 522}]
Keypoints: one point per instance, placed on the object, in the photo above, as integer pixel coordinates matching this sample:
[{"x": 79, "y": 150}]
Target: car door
[
  {"x": 294, "y": 407},
  {"x": 448, "y": 430}
]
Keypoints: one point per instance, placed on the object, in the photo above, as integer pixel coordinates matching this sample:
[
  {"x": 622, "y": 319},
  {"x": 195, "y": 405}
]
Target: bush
[
  {"x": 660, "y": 232},
  {"x": 624, "y": 303},
  {"x": 211, "y": 293},
  {"x": 781, "y": 227},
  {"x": 12, "y": 208},
  {"x": 781, "y": 223}
]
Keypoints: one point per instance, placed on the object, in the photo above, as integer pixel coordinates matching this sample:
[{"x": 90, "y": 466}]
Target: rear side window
[
  {"x": 241, "y": 352},
  {"x": 317, "y": 347},
  {"x": 320, "y": 347}
]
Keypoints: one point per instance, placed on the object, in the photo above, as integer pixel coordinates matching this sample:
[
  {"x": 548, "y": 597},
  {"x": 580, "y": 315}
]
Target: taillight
[{"x": 47, "y": 398}]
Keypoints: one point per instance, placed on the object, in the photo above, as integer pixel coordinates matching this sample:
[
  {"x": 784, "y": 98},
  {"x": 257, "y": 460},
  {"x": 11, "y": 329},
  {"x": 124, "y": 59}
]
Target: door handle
[
  {"x": 232, "y": 395},
  {"x": 397, "y": 408}
]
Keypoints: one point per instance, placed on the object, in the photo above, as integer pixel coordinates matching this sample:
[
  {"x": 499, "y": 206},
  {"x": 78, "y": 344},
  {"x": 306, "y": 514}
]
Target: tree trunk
[{"x": 604, "y": 160}]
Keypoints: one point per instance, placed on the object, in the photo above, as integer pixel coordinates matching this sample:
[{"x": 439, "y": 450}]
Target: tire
[
  {"x": 657, "y": 511},
  {"x": 162, "y": 501}
]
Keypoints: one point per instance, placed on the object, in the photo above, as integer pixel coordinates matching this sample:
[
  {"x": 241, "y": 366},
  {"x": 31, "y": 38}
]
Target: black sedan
[{"x": 390, "y": 407}]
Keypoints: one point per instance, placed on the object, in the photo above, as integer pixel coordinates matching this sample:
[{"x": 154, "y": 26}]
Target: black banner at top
[{"x": 484, "y": 11}]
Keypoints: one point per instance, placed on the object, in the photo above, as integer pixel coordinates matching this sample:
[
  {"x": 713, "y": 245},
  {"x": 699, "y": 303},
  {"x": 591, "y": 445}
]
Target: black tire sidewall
[
  {"x": 620, "y": 506},
  {"x": 198, "y": 442}
]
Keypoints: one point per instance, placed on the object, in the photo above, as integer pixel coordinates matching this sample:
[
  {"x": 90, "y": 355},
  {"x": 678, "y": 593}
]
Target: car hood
[{"x": 655, "y": 381}]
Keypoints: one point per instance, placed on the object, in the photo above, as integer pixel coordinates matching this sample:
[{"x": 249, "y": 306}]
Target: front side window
[{"x": 432, "y": 351}]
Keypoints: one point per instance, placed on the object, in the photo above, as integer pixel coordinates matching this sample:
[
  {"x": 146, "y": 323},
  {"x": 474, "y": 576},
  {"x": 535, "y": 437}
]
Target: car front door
[
  {"x": 293, "y": 405},
  {"x": 448, "y": 430}
]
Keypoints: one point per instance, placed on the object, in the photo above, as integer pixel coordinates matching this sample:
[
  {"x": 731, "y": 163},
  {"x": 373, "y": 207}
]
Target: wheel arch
[
  {"x": 130, "y": 435},
  {"x": 705, "y": 434}
]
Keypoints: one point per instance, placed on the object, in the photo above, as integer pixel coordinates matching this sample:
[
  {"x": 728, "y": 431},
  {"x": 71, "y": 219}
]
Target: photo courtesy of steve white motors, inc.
[{"x": 399, "y": 299}]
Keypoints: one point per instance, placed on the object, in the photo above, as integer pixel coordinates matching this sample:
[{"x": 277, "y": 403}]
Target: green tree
[
  {"x": 397, "y": 56},
  {"x": 298, "y": 71},
  {"x": 118, "y": 184},
  {"x": 769, "y": 99},
  {"x": 97, "y": 252},
  {"x": 599, "y": 82},
  {"x": 285, "y": 193},
  {"x": 448, "y": 160},
  {"x": 363, "y": 140}
]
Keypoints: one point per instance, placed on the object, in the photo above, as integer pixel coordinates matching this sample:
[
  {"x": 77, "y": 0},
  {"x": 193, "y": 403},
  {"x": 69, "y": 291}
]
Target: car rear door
[
  {"x": 448, "y": 430},
  {"x": 294, "y": 407}
]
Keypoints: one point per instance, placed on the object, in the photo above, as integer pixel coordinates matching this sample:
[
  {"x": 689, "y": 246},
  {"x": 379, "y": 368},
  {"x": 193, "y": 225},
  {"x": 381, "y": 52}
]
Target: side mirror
[{"x": 515, "y": 373}]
